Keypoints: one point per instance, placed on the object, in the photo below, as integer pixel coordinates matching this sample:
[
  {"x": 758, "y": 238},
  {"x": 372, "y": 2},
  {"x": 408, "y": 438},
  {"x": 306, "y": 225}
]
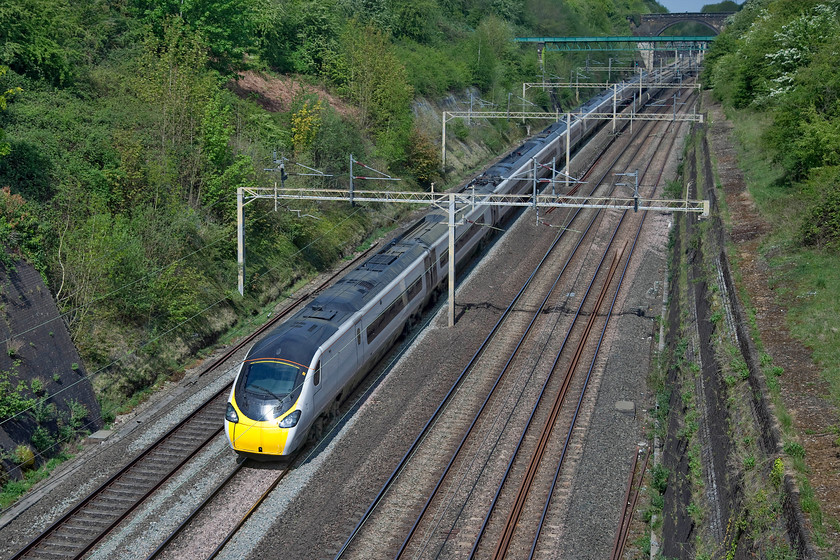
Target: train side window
[
  {"x": 358, "y": 335},
  {"x": 414, "y": 289},
  {"x": 384, "y": 319},
  {"x": 316, "y": 379}
]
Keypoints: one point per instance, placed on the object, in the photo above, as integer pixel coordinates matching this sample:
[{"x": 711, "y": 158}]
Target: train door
[
  {"x": 360, "y": 354},
  {"x": 431, "y": 269},
  {"x": 339, "y": 363},
  {"x": 316, "y": 379}
]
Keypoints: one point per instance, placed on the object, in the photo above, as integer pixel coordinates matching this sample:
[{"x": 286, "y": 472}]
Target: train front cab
[{"x": 257, "y": 439}]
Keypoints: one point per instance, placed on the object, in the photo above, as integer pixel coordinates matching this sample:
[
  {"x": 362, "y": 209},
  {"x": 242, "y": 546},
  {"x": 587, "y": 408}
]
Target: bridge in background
[
  {"x": 647, "y": 37},
  {"x": 656, "y": 24}
]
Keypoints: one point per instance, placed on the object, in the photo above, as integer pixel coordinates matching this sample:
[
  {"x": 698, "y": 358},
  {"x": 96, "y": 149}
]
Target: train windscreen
[{"x": 272, "y": 378}]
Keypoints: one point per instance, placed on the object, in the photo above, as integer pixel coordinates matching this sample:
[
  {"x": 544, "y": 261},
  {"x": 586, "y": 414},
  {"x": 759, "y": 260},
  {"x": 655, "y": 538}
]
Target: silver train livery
[{"x": 298, "y": 374}]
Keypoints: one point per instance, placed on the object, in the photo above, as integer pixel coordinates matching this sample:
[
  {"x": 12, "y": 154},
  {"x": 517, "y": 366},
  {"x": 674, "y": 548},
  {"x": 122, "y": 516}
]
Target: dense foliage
[
  {"x": 125, "y": 136},
  {"x": 781, "y": 57}
]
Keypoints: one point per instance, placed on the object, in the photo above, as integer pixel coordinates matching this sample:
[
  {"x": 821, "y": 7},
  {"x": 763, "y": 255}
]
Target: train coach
[{"x": 293, "y": 380}]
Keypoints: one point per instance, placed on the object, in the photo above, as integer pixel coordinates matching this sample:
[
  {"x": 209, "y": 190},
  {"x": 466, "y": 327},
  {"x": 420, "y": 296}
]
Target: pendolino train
[{"x": 295, "y": 377}]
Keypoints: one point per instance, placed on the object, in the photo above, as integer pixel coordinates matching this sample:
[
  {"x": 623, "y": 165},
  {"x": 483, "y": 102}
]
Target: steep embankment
[
  {"x": 733, "y": 461},
  {"x": 46, "y": 396}
]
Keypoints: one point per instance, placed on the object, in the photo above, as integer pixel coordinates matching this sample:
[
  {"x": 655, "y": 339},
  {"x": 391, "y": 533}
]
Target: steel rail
[
  {"x": 629, "y": 505},
  {"x": 510, "y": 465},
  {"x": 557, "y": 470},
  {"x": 536, "y": 459},
  {"x": 621, "y": 518},
  {"x": 454, "y": 455},
  {"x": 524, "y": 432},
  {"x": 559, "y": 465},
  {"x": 252, "y": 509},
  {"x": 490, "y": 394},
  {"x": 198, "y": 509},
  {"x": 504, "y": 369},
  {"x": 136, "y": 464},
  {"x": 42, "y": 539},
  {"x": 515, "y": 453},
  {"x": 424, "y": 431},
  {"x": 433, "y": 418}
]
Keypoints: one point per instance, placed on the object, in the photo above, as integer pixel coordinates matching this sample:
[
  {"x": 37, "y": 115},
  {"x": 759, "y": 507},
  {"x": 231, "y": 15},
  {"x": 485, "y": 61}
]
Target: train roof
[{"x": 319, "y": 320}]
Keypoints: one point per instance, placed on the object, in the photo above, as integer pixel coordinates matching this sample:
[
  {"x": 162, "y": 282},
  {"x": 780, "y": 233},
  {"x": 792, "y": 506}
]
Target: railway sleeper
[
  {"x": 209, "y": 425},
  {"x": 69, "y": 536},
  {"x": 106, "y": 509},
  {"x": 64, "y": 546},
  {"x": 41, "y": 553},
  {"x": 125, "y": 487},
  {"x": 159, "y": 461},
  {"x": 124, "y": 491},
  {"x": 166, "y": 450},
  {"x": 181, "y": 441},
  {"x": 84, "y": 526},
  {"x": 85, "y": 520},
  {"x": 140, "y": 478},
  {"x": 96, "y": 513}
]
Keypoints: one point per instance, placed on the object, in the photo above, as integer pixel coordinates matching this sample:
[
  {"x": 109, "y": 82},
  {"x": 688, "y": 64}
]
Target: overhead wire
[
  {"x": 92, "y": 423},
  {"x": 155, "y": 339}
]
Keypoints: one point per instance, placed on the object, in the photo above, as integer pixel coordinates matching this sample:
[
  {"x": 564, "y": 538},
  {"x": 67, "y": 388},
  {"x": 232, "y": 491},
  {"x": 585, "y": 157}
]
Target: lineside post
[
  {"x": 351, "y": 181},
  {"x": 640, "y": 84},
  {"x": 240, "y": 238},
  {"x": 615, "y": 103},
  {"x": 536, "y": 208},
  {"x": 568, "y": 142},
  {"x": 443, "y": 142},
  {"x": 451, "y": 259}
]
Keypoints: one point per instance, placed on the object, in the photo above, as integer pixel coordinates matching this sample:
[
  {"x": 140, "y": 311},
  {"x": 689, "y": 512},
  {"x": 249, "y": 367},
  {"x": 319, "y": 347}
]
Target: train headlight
[
  {"x": 231, "y": 415},
  {"x": 291, "y": 420}
]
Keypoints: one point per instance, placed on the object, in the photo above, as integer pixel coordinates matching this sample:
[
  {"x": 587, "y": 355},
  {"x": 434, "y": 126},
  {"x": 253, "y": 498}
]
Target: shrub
[
  {"x": 659, "y": 478},
  {"x": 42, "y": 439},
  {"x": 460, "y": 129},
  {"x": 778, "y": 471},
  {"x": 78, "y": 412},
  {"x": 24, "y": 457},
  {"x": 12, "y": 390},
  {"x": 821, "y": 226},
  {"x": 36, "y": 385},
  {"x": 794, "y": 449}
]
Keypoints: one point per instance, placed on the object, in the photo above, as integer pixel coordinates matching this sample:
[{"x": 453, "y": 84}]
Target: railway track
[
  {"x": 86, "y": 523},
  {"x": 58, "y": 533},
  {"x": 634, "y": 487},
  {"x": 518, "y": 519},
  {"x": 203, "y": 534},
  {"x": 447, "y": 524}
]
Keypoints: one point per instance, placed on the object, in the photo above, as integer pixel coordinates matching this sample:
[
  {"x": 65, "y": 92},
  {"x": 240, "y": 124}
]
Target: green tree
[
  {"x": 725, "y": 6},
  {"x": 172, "y": 78},
  {"x": 490, "y": 49},
  {"x": 36, "y": 38},
  {"x": 226, "y": 26},
  {"x": 377, "y": 80},
  {"x": 374, "y": 13},
  {"x": 299, "y": 36},
  {"x": 416, "y": 20},
  {"x": 4, "y": 145},
  {"x": 423, "y": 158}
]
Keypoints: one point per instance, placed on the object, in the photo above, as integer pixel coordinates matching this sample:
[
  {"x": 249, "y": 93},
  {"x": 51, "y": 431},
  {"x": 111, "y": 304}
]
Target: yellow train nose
[{"x": 248, "y": 436}]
